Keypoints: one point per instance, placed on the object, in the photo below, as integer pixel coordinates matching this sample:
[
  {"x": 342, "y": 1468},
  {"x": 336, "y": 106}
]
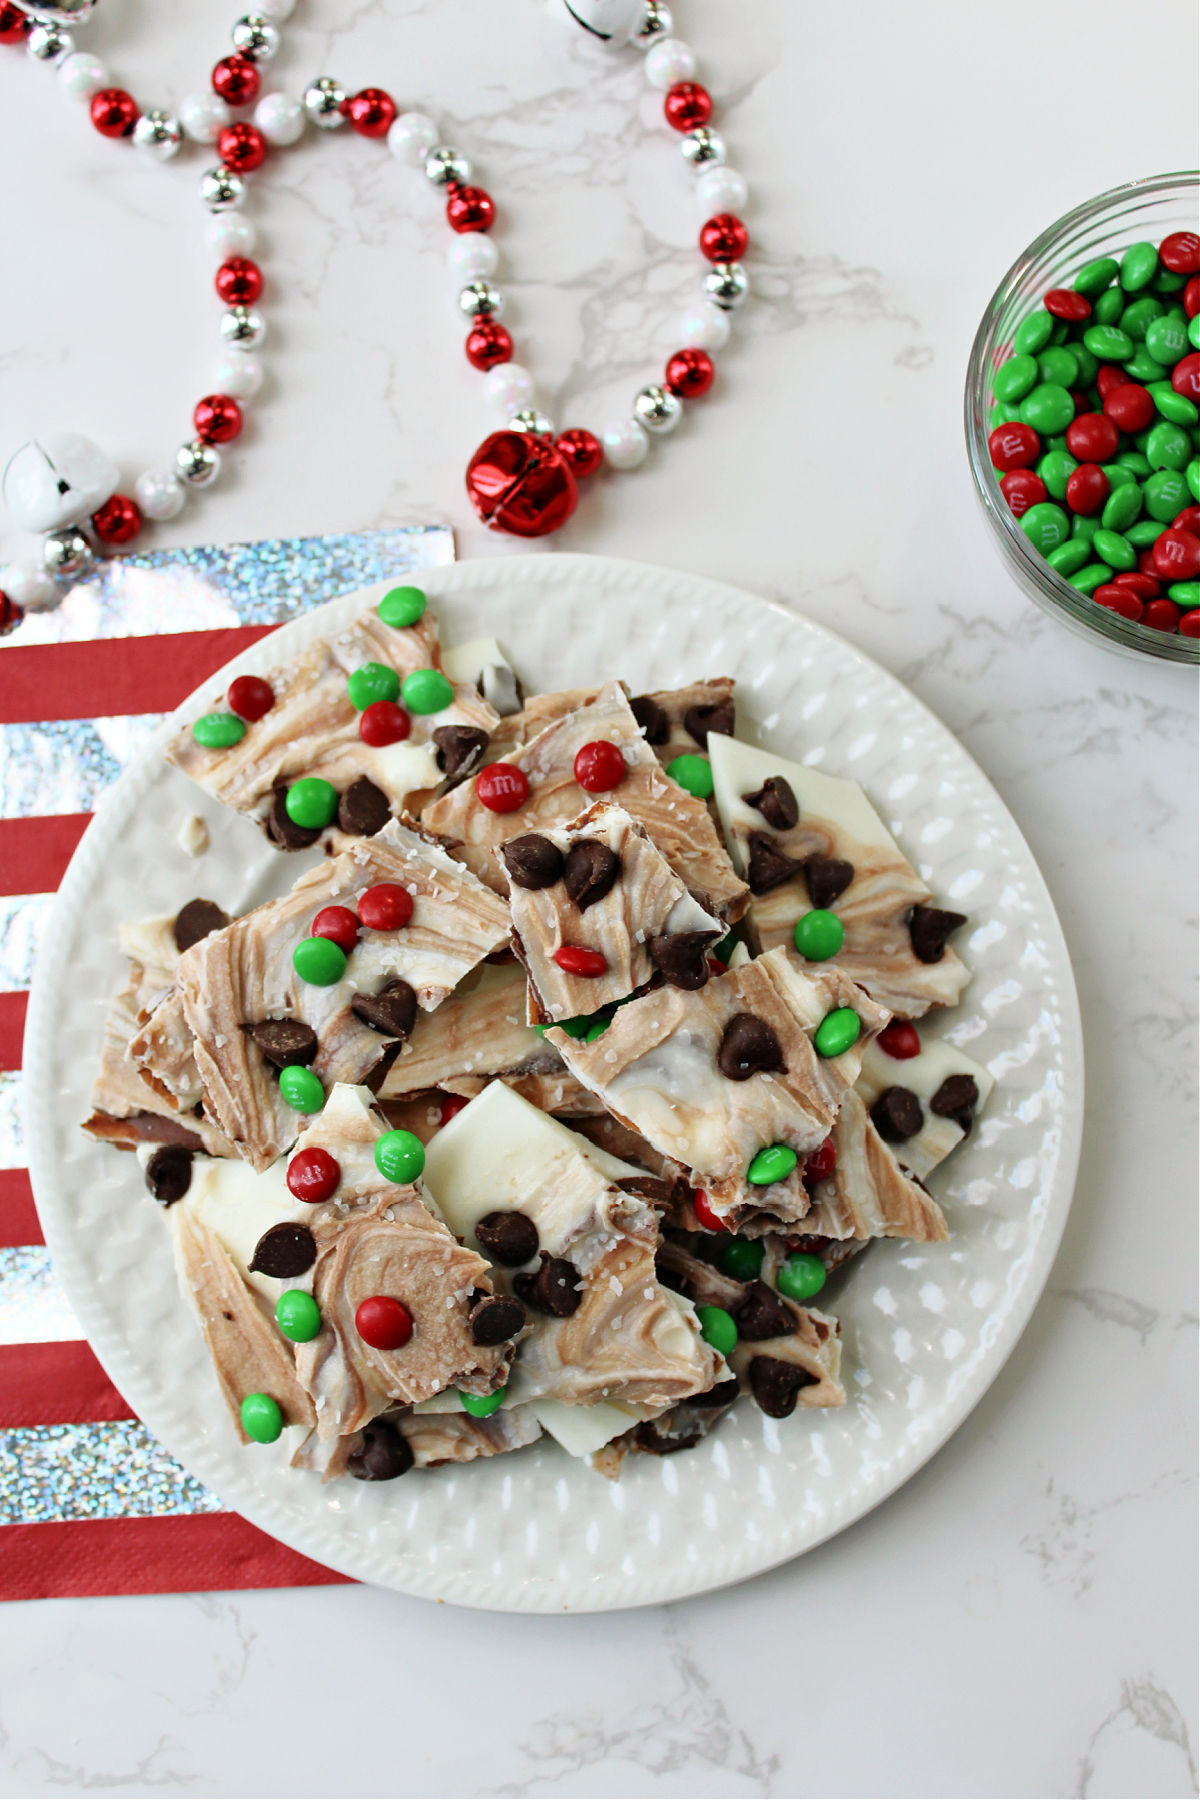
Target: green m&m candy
[
  {"x": 482, "y": 1406},
  {"x": 1046, "y": 525},
  {"x": 1192, "y": 474},
  {"x": 1139, "y": 266},
  {"x": 1137, "y": 319},
  {"x": 1167, "y": 340},
  {"x": 1175, "y": 407},
  {"x": 717, "y": 1328},
  {"x": 301, "y": 1088},
  {"x": 311, "y": 803},
  {"x": 1143, "y": 534},
  {"x": 1165, "y": 494},
  {"x": 1014, "y": 378},
  {"x": 775, "y": 1163},
  {"x": 402, "y": 607},
  {"x": 596, "y": 1029},
  {"x": 1108, "y": 343},
  {"x": 262, "y": 1420},
  {"x": 1168, "y": 447},
  {"x": 1048, "y": 408},
  {"x": 1090, "y": 577},
  {"x": 1115, "y": 550},
  {"x": 298, "y": 1316},
  {"x": 1185, "y": 593},
  {"x": 1108, "y": 308},
  {"x": 427, "y": 691},
  {"x": 742, "y": 1258},
  {"x": 819, "y": 934},
  {"x": 218, "y": 731},
  {"x": 1058, "y": 365},
  {"x": 374, "y": 681},
  {"x": 694, "y": 775},
  {"x": 800, "y": 1276},
  {"x": 1033, "y": 333},
  {"x": 319, "y": 961},
  {"x": 1095, "y": 276},
  {"x": 399, "y": 1156},
  {"x": 838, "y": 1031},
  {"x": 1124, "y": 503},
  {"x": 1068, "y": 557}
]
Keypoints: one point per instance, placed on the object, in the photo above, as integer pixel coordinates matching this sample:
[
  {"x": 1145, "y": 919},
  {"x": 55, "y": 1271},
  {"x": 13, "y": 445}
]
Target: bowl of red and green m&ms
[{"x": 1083, "y": 418}]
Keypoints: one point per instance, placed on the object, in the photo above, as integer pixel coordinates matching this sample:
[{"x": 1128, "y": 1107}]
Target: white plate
[{"x": 927, "y": 1328}]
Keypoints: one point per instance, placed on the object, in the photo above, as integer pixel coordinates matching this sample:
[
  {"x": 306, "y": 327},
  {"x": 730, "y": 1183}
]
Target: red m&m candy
[
  {"x": 382, "y": 723},
  {"x": 1014, "y": 447},
  {"x": 1161, "y": 615},
  {"x": 573, "y": 959},
  {"x": 1108, "y": 378},
  {"x": 1087, "y": 489},
  {"x": 450, "y": 1107},
  {"x": 821, "y": 1162},
  {"x": 1130, "y": 407},
  {"x": 599, "y": 767},
  {"x": 1177, "y": 555},
  {"x": 1022, "y": 489},
  {"x": 502, "y": 787},
  {"x": 1093, "y": 438},
  {"x": 900, "y": 1040},
  {"x": 250, "y": 697},
  {"x": 1180, "y": 252},
  {"x": 384, "y": 1323},
  {"x": 313, "y": 1176},
  {"x": 1186, "y": 379},
  {"x": 386, "y": 907},
  {"x": 702, "y": 1207},
  {"x": 1065, "y": 303},
  {"x": 338, "y": 924},
  {"x": 1121, "y": 600}
]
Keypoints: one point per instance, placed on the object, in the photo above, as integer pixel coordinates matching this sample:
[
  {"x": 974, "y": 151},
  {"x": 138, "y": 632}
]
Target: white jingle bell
[
  {"x": 60, "y": 479},
  {"x": 60, "y": 12},
  {"x": 612, "y": 22}
]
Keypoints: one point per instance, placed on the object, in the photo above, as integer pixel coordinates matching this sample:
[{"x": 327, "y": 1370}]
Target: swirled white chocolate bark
[{"x": 946, "y": 1088}]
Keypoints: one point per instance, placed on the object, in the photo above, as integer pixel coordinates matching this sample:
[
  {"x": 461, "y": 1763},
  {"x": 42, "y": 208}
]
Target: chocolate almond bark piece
[
  {"x": 868, "y": 1194},
  {"x": 677, "y": 823},
  {"x": 946, "y": 1088},
  {"x": 618, "y": 896},
  {"x": 454, "y": 1437},
  {"x": 479, "y": 1031},
  {"x": 837, "y": 856}
]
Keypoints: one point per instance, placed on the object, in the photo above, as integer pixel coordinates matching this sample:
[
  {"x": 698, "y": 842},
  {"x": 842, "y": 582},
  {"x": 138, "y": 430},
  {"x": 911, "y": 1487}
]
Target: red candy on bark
[
  {"x": 1065, "y": 303},
  {"x": 821, "y": 1162},
  {"x": 1022, "y": 489},
  {"x": 502, "y": 787},
  {"x": 1120, "y": 600},
  {"x": 384, "y": 1323},
  {"x": 1161, "y": 615},
  {"x": 1087, "y": 489},
  {"x": 450, "y": 1107},
  {"x": 900, "y": 1040},
  {"x": 599, "y": 767},
  {"x": 338, "y": 924},
  {"x": 702, "y": 1208},
  {"x": 1014, "y": 447},
  {"x": 250, "y": 697},
  {"x": 382, "y": 723},
  {"x": 1129, "y": 408},
  {"x": 1177, "y": 555},
  {"x": 1186, "y": 378},
  {"x": 1093, "y": 438},
  {"x": 118, "y": 520},
  {"x": 573, "y": 959},
  {"x": 313, "y": 1176},
  {"x": 385, "y": 907},
  {"x": 488, "y": 343},
  {"x": 1180, "y": 252}
]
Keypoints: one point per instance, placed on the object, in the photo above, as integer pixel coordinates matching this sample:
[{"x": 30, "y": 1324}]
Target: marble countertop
[{"x": 1019, "y": 1619}]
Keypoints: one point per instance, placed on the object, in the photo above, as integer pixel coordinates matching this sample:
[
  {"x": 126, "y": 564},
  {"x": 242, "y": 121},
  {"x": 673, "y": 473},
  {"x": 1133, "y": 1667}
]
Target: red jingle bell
[
  {"x": 521, "y": 483},
  {"x": 14, "y": 24}
]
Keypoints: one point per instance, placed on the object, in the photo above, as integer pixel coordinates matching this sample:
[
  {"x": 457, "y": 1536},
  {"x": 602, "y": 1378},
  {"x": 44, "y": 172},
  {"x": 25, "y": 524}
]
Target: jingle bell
[
  {"x": 59, "y": 479},
  {"x": 612, "y": 21},
  {"x": 520, "y": 483}
]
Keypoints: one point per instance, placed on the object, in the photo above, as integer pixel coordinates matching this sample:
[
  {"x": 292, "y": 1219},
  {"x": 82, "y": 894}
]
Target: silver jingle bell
[
  {"x": 323, "y": 102},
  {"x": 657, "y": 23},
  {"x": 657, "y": 408},
  {"x": 222, "y": 189},
  {"x": 480, "y": 300},
  {"x": 256, "y": 38},
  {"x": 704, "y": 148},
  {"x": 66, "y": 554},
  {"x": 158, "y": 134},
  {"x": 530, "y": 419},
  {"x": 445, "y": 164},
  {"x": 59, "y": 12},
  {"x": 726, "y": 285},
  {"x": 197, "y": 463},
  {"x": 243, "y": 328},
  {"x": 48, "y": 43}
]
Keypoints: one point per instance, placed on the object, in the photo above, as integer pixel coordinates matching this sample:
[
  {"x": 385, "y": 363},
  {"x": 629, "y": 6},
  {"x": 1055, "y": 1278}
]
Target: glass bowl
[{"x": 1105, "y": 226}]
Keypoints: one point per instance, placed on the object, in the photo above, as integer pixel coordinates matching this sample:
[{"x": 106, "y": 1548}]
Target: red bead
[
  {"x": 1189, "y": 625},
  {"x": 382, "y": 723},
  {"x": 1120, "y": 600},
  {"x": 385, "y": 907},
  {"x": 1144, "y": 586},
  {"x": 723, "y": 238},
  {"x": 899, "y": 1040},
  {"x": 599, "y": 767},
  {"x": 1087, "y": 489},
  {"x": 1191, "y": 306},
  {"x": 687, "y": 105},
  {"x": 1186, "y": 379},
  {"x": 1065, "y": 303},
  {"x": 1161, "y": 615},
  {"x": 582, "y": 449},
  {"x": 690, "y": 373},
  {"x": 1177, "y": 555},
  {"x": 1109, "y": 377},
  {"x": 114, "y": 112},
  {"x": 10, "y": 615},
  {"x": 250, "y": 697},
  {"x": 384, "y": 1323},
  {"x": 237, "y": 80},
  {"x": 313, "y": 1175},
  {"x": 1187, "y": 520},
  {"x": 451, "y": 1106},
  {"x": 239, "y": 281},
  {"x": 488, "y": 343},
  {"x": 218, "y": 419},
  {"x": 1180, "y": 252},
  {"x": 242, "y": 147},
  {"x": 821, "y": 1163},
  {"x": 573, "y": 959},
  {"x": 520, "y": 482},
  {"x": 1014, "y": 447},
  {"x": 338, "y": 924},
  {"x": 371, "y": 112},
  {"x": 1093, "y": 438},
  {"x": 502, "y": 787},
  {"x": 118, "y": 520},
  {"x": 1022, "y": 489},
  {"x": 702, "y": 1207},
  {"x": 470, "y": 209},
  {"x": 1130, "y": 407},
  {"x": 14, "y": 25}
]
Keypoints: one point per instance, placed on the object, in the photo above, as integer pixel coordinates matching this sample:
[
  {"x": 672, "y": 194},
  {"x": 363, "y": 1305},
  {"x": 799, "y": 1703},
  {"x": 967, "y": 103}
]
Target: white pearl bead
[
  {"x": 721, "y": 190},
  {"x": 703, "y": 327},
  {"x": 231, "y": 235},
  {"x": 204, "y": 117},
  {"x": 669, "y": 61},
  {"x": 158, "y": 494},
  {"x": 280, "y": 119},
  {"x": 82, "y": 75},
  {"x": 508, "y": 389},
  {"x": 239, "y": 374},
  {"x": 411, "y": 138},
  {"x": 29, "y": 585},
  {"x": 471, "y": 255},
  {"x": 275, "y": 9},
  {"x": 625, "y": 444}
]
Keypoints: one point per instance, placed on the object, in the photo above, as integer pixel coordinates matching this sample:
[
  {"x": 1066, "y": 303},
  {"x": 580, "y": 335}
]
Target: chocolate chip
[
  {"x": 682, "y": 957},
  {"x": 363, "y": 809},
  {"x": 769, "y": 866},
  {"x": 590, "y": 872},
  {"x": 284, "y": 1041},
  {"x": 284, "y": 1251},
  {"x": 776, "y": 802},
  {"x": 169, "y": 1173},
  {"x": 775, "y": 1385},
  {"x": 195, "y": 920},
  {"x": 650, "y": 1188},
  {"x": 748, "y": 1046},
  {"x": 392, "y": 1011},
  {"x": 283, "y": 830},
  {"x": 700, "y": 720},
  {"x": 554, "y": 1289},
  {"x": 656, "y": 727},
  {"x": 929, "y": 927},
  {"x": 496, "y": 1319},
  {"x": 723, "y": 1394},
  {"x": 957, "y": 1099},
  {"x": 826, "y": 877},
  {"x": 384, "y": 1453},
  {"x": 532, "y": 861},
  {"x": 510, "y": 1238},
  {"x": 762, "y": 1314},
  {"x": 656, "y": 1438},
  {"x": 460, "y": 748},
  {"x": 896, "y": 1115}
]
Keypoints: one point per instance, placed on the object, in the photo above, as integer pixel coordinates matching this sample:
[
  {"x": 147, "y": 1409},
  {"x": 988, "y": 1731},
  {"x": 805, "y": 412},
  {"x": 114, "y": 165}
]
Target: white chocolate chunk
[{"x": 923, "y": 1075}]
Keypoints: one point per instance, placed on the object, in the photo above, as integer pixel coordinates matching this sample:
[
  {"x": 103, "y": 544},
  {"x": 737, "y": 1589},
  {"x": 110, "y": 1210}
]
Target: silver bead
[
  {"x": 657, "y": 408},
  {"x": 49, "y": 43},
  {"x": 256, "y": 38},
  {"x": 197, "y": 463},
  {"x": 323, "y": 102},
  {"x": 480, "y": 299},
  {"x": 704, "y": 148},
  {"x": 726, "y": 285},
  {"x": 66, "y": 553},
  {"x": 243, "y": 327},
  {"x": 657, "y": 23},
  {"x": 222, "y": 189},
  {"x": 445, "y": 164},
  {"x": 530, "y": 419},
  {"x": 158, "y": 134}
]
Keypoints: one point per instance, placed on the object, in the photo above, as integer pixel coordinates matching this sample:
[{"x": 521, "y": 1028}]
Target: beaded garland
[{"x": 524, "y": 477}]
